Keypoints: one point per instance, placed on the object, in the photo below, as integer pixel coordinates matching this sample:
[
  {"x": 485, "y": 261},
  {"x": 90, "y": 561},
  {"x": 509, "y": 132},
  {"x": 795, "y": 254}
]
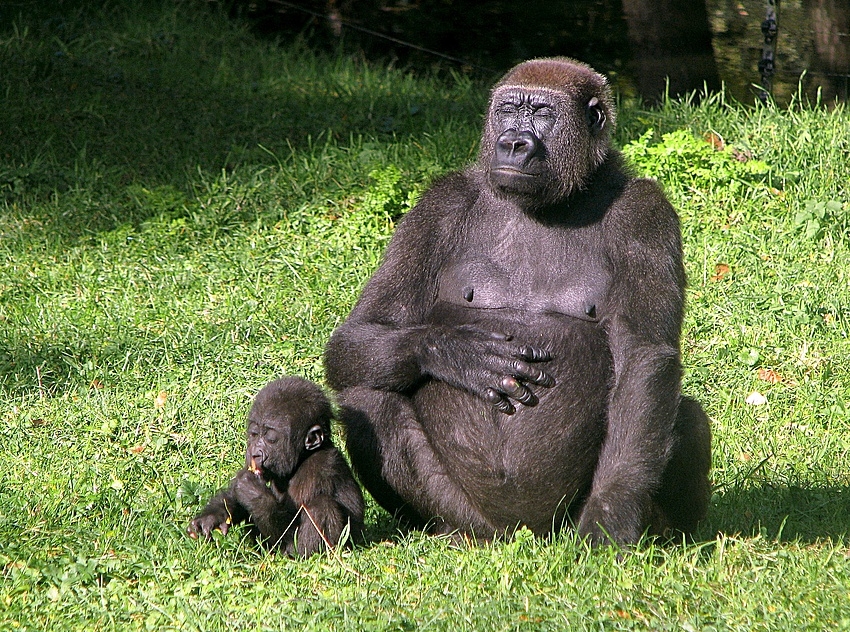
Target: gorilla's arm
[
  {"x": 271, "y": 513},
  {"x": 644, "y": 320},
  {"x": 385, "y": 343},
  {"x": 222, "y": 511},
  {"x": 247, "y": 497}
]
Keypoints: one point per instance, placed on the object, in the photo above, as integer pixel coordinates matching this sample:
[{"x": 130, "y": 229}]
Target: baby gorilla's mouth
[{"x": 255, "y": 469}]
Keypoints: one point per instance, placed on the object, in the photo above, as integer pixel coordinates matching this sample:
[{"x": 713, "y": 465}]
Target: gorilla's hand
[
  {"x": 250, "y": 490},
  {"x": 492, "y": 365},
  {"x": 209, "y": 520}
]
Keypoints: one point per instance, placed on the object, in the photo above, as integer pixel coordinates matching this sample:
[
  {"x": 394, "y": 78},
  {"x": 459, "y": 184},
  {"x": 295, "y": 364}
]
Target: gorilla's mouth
[
  {"x": 255, "y": 468},
  {"x": 509, "y": 178},
  {"x": 513, "y": 172}
]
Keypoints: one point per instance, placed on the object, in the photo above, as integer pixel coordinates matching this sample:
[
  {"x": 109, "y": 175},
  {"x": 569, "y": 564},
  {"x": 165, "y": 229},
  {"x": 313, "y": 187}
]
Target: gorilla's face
[
  {"x": 283, "y": 429},
  {"x": 542, "y": 142},
  {"x": 524, "y": 122}
]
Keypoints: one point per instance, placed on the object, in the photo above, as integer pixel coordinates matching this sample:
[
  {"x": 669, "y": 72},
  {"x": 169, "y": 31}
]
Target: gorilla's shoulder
[
  {"x": 643, "y": 199},
  {"x": 451, "y": 192},
  {"x": 642, "y": 212}
]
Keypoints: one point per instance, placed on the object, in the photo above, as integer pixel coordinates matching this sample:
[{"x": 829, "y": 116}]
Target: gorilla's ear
[
  {"x": 315, "y": 438},
  {"x": 596, "y": 115}
]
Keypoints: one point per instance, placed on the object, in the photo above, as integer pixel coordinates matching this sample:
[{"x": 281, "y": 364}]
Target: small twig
[
  {"x": 229, "y": 515},
  {"x": 330, "y": 546},
  {"x": 318, "y": 530},
  {"x": 276, "y": 545}
]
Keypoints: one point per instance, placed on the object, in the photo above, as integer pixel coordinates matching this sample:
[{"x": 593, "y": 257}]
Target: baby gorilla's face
[
  {"x": 272, "y": 451},
  {"x": 289, "y": 419}
]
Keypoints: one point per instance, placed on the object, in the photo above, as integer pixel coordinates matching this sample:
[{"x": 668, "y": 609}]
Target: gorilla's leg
[
  {"x": 685, "y": 487},
  {"x": 397, "y": 464}
]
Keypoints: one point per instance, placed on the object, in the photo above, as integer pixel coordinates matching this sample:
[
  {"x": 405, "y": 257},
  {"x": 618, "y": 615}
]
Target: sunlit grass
[{"x": 187, "y": 212}]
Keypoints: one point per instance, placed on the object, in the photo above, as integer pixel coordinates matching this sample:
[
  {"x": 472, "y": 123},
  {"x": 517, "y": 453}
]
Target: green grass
[{"x": 189, "y": 210}]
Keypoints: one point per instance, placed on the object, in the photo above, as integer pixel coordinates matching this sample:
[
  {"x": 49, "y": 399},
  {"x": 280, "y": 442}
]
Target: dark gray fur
[
  {"x": 302, "y": 483},
  {"x": 515, "y": 358}
]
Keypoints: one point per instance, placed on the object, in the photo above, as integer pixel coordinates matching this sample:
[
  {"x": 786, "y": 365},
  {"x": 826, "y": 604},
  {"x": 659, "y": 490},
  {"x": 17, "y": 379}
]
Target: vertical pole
[{"x": 767, "y": 65}]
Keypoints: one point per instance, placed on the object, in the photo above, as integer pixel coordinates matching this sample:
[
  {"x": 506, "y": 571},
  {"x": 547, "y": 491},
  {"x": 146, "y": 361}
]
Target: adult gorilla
[{"x": 515, "y": 358}]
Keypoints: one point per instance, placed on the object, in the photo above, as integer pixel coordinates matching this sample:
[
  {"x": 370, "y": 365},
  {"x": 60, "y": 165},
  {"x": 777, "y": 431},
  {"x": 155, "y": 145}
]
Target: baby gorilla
[{"x": 296, "y": 489}]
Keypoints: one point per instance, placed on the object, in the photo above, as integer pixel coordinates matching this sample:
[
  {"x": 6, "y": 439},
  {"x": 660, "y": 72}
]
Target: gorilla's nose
[{"x": 515, "y": 148}]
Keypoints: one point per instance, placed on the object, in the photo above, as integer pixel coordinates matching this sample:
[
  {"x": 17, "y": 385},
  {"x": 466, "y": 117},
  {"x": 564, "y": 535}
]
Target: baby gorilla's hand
[
  {"x": 208, "y": 521},
  {"x": 249, "y": 489}
]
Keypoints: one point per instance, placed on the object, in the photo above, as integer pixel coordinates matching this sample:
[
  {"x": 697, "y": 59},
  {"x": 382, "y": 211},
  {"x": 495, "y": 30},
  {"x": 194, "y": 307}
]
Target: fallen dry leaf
[
  {"x": 769, "y": 375},
  {"x": 159, "y": 402},
  {"x": 714, "y": 140},
  {"x": 137, "y": 449},
  {"x": 720, "y": 271}
]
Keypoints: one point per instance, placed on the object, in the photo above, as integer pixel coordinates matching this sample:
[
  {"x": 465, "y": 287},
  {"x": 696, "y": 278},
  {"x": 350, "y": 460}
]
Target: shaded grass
[{"x": 187, "y": 211}]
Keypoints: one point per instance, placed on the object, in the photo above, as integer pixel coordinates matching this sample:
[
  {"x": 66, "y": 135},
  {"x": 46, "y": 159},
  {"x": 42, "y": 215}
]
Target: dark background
[{"x": 639, "y": 44}]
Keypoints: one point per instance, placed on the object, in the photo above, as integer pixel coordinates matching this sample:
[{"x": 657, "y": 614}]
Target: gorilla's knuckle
[
  {"x": 509, "y": 384},
  {"x": 491, "y": 396},
  {"x": 518, "y": 367}
]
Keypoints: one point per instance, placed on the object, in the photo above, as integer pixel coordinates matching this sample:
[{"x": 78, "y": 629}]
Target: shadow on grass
[
  {"x": 92, "y": 101},
  {"x": 781, "y": 513}
]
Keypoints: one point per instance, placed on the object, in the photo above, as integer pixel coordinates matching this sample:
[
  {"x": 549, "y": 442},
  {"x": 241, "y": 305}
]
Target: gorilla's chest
[{"x": 543, "y": 272}]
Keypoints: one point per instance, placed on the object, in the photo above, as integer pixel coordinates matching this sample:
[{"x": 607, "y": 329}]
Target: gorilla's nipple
[
  {"x": 590, "y": 310},
  {"x": 468, "y": 293}
]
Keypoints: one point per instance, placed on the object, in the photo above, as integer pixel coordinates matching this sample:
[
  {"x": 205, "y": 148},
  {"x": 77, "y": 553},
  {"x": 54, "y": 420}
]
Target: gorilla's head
[{"x": 548, "y": 129}]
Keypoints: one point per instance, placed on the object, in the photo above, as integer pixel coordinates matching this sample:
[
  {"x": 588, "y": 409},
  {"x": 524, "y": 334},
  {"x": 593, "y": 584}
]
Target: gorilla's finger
[
  {"x": 534, "y": 354},
  {"x": 515, "y": 389},
  {"x": 499, "y": 401},
  {"x": 531, "y": 374}
]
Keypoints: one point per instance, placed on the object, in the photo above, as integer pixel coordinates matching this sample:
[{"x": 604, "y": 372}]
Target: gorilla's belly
[{"x": 528, "y": 467}]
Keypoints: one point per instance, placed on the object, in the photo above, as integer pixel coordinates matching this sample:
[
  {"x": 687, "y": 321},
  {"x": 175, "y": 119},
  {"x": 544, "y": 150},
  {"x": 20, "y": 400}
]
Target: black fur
[
  {"x": 296, "y": 489},
  {"x": 515, "y": 358}
]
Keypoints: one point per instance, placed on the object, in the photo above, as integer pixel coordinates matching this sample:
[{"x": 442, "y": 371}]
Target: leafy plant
[
  {"x": 386, "y": 196},
  {"x": 816, "y": 216},
  {"x": 680, "y": 159}
]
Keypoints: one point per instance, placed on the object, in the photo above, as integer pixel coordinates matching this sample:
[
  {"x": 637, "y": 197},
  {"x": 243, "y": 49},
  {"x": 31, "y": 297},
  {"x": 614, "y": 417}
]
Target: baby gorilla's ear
[{"x": 315, "y": 438}]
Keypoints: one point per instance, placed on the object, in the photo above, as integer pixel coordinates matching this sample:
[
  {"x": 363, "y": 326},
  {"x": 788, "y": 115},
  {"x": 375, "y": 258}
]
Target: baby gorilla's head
[{"x": 290, "y": 418}]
